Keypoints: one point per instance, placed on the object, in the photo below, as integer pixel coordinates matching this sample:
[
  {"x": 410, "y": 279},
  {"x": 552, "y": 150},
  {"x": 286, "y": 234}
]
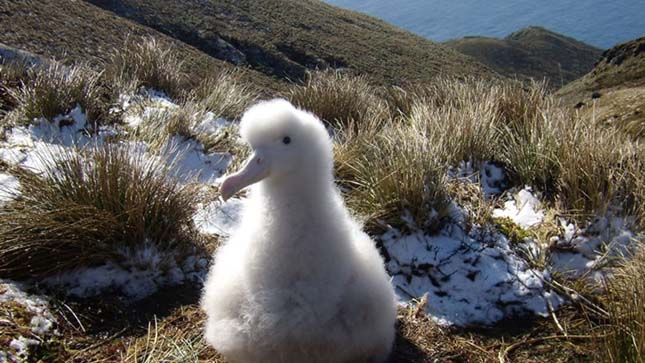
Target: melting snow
[
  {"x": 190, "y": 161},
  {"x": 492, "y": 179},
  {"x": 218, "y": 217},
  {"x": 580, "y": 251},
  {"x": 212, "y": 124},
  {"x": 36, "y": 146},
  {"x": 21, "y": 347},
  {"x": 524, "y": 210},
  {"x": 41, "y": 324},
  {"x": 471, "y": 278},
  {"x": 140, "y": 274},
  {"x": 9, "y": 187}
]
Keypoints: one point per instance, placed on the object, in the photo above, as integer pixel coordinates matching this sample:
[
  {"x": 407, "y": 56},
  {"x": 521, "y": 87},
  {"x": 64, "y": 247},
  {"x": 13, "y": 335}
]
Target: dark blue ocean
[{"x": 602, "y": 23}]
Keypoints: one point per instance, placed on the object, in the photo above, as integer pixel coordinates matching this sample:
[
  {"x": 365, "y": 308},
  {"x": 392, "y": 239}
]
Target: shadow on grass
[
  {"x": 406, "y": 351},
  {"x": 109, "y": 314}
]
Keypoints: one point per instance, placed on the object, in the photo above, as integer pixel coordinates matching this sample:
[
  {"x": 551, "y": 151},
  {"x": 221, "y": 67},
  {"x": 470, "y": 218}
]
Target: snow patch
[
  {"x": 492, "y": 179},
  {"x": 9, "y": 187},
  {"x": 581, "y": 250},
  {"x": 141, "y": 272},
  {"x": 21, "y": 346},
  {"x": 190, "y": 161},
  {"x": 212, "y": 124},
  {"x": 42, "y": 321},
  {"x": 524, "y": 210},
  {"x": 469, "y": 278},
  {"x": 218, "y": 217}
]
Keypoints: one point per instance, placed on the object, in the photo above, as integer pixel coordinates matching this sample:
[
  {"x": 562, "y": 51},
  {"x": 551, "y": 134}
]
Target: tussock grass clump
[
  {"x": 11, "y": 76},
  {"x": 518, "y": 102},
  {"x": 338, "y": 98},
  {"x": 145, "y": 62},
  {"x": 581, "y": 168},
  {"x": 529, "y": 150},
  {"x": 158, "y": 125},
  {"x": 635, "y": 181},
  {"x": 624, "y": 338},
  {"x": 592, "y": 167},
  {"x": 54, "y": 90},
  {"x": 467, "y": 133},
  {"x": 393, "y": 173},
  {"x": 90, "y": 206},
  {"x": 225, "y": 94}
]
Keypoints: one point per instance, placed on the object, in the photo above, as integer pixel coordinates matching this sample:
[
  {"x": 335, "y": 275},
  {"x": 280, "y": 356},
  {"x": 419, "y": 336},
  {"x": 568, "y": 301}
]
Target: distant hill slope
[
  {"x": 620, "y": 66},
  {"x": 614, "y": 91},
  {"x": 533, "y": 52},
  {"x": 287, "y": 37},
  {"x": 70, "y": 30}
]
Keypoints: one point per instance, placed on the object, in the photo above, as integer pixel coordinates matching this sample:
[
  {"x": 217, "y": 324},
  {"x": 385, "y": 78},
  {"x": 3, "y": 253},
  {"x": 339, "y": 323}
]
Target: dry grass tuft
[
  {"x": 159, "y": 125},
  {"x": 591, "y": 164},
  {"x": 144, "y": 62},
  {"x": 529, "y": 150},
  {"x": 11, "y": 76},
  {"x": 339, "y": 98},
  {"x": 465, "y": 132},
  {"x": 178, "y": 338},
  {"x": 624, "y": 333},
  {"x": 470, "y": 197},
  {"x": 90, "y": 206},
  {"x": 225, "y": 94},
  {"x": 390, "y": 173},
  {"x": 54, "y": 90}
]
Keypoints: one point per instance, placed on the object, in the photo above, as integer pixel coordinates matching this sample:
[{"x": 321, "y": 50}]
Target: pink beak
[{"x": 256, "y": 169}]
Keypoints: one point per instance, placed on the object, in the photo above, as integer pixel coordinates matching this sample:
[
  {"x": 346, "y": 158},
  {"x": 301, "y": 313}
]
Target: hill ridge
[
  {"x": 287, "y": 38},
  {"x": 532, "y": 52}
]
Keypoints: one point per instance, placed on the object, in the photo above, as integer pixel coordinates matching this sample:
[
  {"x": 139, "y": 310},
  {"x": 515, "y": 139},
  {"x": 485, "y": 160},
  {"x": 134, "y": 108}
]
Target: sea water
[{"x": 602, "y": 23}]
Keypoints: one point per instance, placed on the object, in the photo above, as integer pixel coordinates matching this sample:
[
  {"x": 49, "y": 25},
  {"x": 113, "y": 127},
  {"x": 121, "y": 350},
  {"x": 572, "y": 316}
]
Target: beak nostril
[{"x": 258, "y": 161}]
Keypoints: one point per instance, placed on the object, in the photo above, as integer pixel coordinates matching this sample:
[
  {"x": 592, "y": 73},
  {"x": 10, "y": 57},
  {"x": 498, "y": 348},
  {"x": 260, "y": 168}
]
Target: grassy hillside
[
  {"x": 533, "y": 52},
  {"x": 76, "y": 31},
  {"x": 614, "y": 91},
  {"x": 286, "y": 38},
  {"x": 620, "y": 66}
]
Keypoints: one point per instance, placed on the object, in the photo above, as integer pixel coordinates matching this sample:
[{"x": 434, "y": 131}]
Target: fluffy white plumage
[{"x": 298, "y": 281}]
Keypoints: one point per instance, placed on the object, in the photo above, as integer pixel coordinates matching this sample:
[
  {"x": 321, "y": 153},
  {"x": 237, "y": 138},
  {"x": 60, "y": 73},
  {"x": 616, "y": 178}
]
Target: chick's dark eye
[{"x": 286, "y": 140}]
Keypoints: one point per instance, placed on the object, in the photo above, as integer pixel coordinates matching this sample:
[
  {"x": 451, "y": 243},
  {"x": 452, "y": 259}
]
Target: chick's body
[{"x": 298, "y": 281}]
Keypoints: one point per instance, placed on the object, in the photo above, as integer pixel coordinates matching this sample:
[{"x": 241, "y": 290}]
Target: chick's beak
[{"x": 255, "y": 169}]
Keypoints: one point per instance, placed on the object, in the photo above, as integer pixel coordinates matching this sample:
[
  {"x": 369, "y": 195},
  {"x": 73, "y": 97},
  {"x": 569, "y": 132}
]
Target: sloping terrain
[
  {"x": 620, "y": 66},
  {"x": 76, "y": 31},
  {"x": 533, "y": 52},
  {"x": 286, "y": 38},
  {"x": 614, "y": 91}
]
